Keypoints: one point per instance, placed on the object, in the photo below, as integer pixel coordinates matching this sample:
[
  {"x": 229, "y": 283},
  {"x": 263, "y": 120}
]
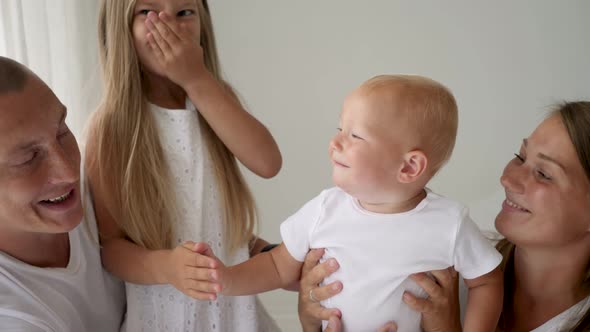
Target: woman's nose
[{"x": 512, "y": 179}]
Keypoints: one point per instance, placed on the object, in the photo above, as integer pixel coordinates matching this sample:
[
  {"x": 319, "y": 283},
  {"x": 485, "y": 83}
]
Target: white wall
[
  {"x": 57, "y": 39},
  {"x": 294, "y": 61}
]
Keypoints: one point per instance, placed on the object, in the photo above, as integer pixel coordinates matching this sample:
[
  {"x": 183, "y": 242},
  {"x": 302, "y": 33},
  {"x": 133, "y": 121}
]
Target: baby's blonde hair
[{"x": 429, "y": 107}]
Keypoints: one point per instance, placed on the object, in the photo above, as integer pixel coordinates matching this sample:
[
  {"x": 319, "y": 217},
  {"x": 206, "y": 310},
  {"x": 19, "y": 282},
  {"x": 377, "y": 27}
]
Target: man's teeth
[
  {"x": 514, "y": 205},
  {"x": 60, "y": 198}
]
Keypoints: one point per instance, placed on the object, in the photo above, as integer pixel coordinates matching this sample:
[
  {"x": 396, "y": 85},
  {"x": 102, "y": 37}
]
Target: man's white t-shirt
[
  {"x": 377, "y": 252},
  {"x": 79, "y": 297}
]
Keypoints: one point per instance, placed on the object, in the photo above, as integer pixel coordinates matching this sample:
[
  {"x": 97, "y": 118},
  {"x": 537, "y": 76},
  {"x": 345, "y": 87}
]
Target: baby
[{"x": 380, "y": 222}]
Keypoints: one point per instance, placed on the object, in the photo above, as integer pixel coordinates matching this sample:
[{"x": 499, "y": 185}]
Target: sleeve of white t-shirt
[
  {"x": 297, "y": 229},
  {"x": 474, "y": 255},
  {"x": 13, "y": 324}
]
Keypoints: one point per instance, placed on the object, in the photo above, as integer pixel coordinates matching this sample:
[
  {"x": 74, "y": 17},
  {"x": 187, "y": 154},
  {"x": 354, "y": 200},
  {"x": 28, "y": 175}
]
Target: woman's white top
[
  {"x": 163, "y": 307},
  {"x": 562, "y": 322}
]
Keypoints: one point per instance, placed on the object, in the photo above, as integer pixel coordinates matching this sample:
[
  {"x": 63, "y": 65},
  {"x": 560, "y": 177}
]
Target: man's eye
[{"x": 29, "y": 160}]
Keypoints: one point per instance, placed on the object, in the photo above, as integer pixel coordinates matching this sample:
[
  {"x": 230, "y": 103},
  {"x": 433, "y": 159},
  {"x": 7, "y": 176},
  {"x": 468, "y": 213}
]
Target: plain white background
[{"x": 293, "y": 62}]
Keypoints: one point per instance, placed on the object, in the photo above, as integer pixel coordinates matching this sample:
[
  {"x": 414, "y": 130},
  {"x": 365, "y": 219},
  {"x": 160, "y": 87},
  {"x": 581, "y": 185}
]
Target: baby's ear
[{"x": 414, "y": 165}]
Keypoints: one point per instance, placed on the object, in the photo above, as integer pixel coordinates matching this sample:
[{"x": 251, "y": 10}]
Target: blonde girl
[{"x": 161, "y": 161}]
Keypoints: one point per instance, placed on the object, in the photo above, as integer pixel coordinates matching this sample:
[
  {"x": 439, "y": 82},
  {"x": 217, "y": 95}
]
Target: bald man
[{"x": 51, "y": 278}]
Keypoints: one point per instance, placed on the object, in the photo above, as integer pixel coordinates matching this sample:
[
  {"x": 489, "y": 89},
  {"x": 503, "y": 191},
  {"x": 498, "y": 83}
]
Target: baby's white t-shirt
[{"x": 377, "y": 252}]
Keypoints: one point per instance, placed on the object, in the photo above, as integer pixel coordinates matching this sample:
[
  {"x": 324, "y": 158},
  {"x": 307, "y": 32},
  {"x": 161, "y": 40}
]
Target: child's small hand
[
  {"x": 176, "y": 47},
  {"x": 191, "y": 268}
]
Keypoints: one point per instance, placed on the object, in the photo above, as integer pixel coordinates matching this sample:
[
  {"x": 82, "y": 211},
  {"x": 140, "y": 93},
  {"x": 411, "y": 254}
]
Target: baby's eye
[
  {"x": 519, "y": 157},
  {"x": 339, "y": 129},
  {"x": 356, "y": 136},
  {"x": 143, "y": 12},
  {"x": 186, "y": 12}
]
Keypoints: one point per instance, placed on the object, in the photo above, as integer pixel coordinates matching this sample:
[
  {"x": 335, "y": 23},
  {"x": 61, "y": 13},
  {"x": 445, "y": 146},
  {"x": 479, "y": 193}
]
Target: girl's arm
[
  {"x": 244, "y": 135},
  {"x": 266, "y": 271},
  {"x": 179, "y": 267},
  {"x": 181, "y": 56}
]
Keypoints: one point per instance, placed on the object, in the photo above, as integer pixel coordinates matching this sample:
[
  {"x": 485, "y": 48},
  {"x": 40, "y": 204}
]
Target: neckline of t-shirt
[
  {"x": 582, "y": 306},
  {"x": 189, "y": 107},
  {"x": 74, "y": 258},
  {"x": 357, "y": 206}
]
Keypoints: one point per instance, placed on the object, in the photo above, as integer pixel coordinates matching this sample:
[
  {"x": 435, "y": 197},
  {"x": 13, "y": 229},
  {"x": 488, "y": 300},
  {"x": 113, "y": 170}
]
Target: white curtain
[{"x": 57, "y": 39}]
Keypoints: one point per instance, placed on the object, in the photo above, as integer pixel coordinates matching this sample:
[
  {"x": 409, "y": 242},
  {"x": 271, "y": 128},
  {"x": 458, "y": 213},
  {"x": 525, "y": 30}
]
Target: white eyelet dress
[{"x": 163, "y": 307}]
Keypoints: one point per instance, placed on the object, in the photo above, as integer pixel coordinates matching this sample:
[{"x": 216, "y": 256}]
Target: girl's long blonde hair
[{"x": 129, "y": 161}]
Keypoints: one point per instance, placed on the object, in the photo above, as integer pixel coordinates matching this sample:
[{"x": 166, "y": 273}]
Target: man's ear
[{"x": 414, "y": 165}]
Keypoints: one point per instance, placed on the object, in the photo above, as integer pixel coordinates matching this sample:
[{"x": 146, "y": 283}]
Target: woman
[{"x": 545, "y": 220}]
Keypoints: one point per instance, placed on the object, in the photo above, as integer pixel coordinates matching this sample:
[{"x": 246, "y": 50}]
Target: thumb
[
  {"x": 188, "y": 245},
  {"x": 203, "y": 249}
]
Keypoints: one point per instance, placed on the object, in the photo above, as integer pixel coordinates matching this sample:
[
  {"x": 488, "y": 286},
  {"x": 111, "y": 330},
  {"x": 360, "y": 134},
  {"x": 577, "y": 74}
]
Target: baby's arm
[
  {"x": 263, "y": 272},
  {"x": 484, "y": 303}
]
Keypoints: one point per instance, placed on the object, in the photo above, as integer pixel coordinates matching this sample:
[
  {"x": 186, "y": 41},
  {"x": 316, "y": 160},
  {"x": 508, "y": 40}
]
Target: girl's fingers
[
  {"x": 203, "y": 249},
  {"x": 202, "y": 286},
  {"x": 191, "y": 272},
  {"x": 196, "y": 260},
  {"x": 157, "y": 37},
  {"x": 155, "y": 47},
  {"x": 201, "y": 295},
  {"x": 168, "y": 35},
  {"x": 166, "y": 22}
]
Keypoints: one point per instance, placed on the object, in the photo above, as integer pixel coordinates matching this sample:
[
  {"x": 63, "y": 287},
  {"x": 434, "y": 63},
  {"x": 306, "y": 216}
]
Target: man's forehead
[
  {"x": 13, "y": 75},
  {"x": 28, "y": 116}
]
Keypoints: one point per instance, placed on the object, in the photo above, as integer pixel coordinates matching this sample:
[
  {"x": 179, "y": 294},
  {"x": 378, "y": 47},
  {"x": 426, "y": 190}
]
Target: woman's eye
[{"x": 186, "y": 12}]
